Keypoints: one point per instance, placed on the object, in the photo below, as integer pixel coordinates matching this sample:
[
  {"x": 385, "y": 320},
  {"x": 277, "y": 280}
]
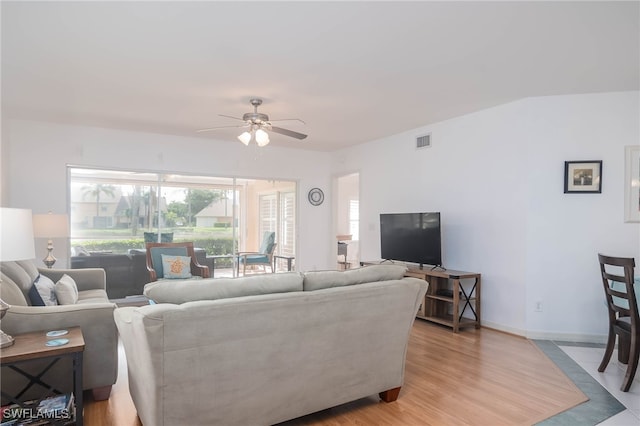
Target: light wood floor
[{"x": 475, "y": 377}]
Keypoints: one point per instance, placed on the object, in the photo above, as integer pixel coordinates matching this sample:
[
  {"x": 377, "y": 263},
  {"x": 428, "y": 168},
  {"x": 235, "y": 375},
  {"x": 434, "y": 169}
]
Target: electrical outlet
[{"x": 538, "y": 307}]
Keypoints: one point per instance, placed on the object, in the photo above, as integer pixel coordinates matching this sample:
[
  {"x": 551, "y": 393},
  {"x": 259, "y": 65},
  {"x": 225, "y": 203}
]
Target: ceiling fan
[{"x": 257, "y": 125}]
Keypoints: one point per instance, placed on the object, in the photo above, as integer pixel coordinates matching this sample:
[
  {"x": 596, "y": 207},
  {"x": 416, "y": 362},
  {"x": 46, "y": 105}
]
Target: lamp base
[
  {"x": 5, "y": 340},
  {"x": 49, "y": 260}
]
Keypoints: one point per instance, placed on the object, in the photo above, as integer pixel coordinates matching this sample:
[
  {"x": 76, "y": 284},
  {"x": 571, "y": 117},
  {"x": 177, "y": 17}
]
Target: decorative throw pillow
[
  {"x": 66, "y": 290},
  {"x": 42, "y": 292},
  {"x": 176, "y": 266}
]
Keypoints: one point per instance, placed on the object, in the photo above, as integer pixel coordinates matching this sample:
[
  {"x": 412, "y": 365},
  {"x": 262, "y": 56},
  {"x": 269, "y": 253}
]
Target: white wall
[
  {"x": 497, "y": 178},
  {"x": 495, "y": 175},
  {"x": 39, "y": 153},
  {"x": 566, "y": 231}
]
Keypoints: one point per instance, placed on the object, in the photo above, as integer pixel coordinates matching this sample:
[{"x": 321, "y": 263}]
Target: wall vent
[{"x": 423, "y": 141}]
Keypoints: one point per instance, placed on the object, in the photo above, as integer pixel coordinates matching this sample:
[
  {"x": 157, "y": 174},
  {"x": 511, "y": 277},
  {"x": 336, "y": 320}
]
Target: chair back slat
[{"x": 619, "y": 291}]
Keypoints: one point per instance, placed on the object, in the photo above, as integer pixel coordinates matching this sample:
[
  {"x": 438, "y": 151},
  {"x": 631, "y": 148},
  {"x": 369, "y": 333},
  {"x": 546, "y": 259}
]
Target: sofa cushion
[
  {"x": 222, "y": 288},
  {"x": 92, "y": 296},
  {"x": 10, "y": 292},
  {"x": 66, "y": 290},
  {"x": 176, "y": 266},
  {"x": 30, "y": 268},
  {"x": 23, "y": 279},
  {"x": 317, "y": 280},
  {"x": 42, "y": 292}
]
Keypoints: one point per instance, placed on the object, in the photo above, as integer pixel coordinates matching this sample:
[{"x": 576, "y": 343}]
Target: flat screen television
[{"x": 411, "y": 237}]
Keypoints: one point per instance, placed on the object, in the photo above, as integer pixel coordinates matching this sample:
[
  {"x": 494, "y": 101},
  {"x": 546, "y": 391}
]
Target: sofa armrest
[
  {"x": 100, "y": 364},
  {"x": 24, "y": 319},
  {"x": 145, "y": 358},
  {"x": 86, "y": 279}
]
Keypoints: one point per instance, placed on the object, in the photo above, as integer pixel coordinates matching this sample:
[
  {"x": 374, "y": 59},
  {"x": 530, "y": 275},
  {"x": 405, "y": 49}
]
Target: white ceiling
[{"x": 353, "y": 71}]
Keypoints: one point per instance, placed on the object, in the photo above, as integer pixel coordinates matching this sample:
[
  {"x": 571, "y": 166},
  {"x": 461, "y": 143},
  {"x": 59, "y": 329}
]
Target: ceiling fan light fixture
[
  {"x": 257, "y": 125},
  {"x": 245, "y": 138},
  {"x": 262, "y": 137}
]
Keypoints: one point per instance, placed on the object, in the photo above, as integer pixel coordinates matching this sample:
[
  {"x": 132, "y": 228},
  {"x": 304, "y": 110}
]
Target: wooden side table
[
  {"x": 289, "y": 260},
  {"x": 216, "y": 257},
  {"x": 32, "y": 346}
]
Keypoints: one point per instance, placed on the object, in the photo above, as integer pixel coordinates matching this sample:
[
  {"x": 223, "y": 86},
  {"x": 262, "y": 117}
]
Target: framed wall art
[
  {"x": 583, "y": 177},
  {"x": 632, "y": 184}
]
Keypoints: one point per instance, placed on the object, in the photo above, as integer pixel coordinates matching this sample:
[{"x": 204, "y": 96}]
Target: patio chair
[
  {"x": 263, "y": 257},
  {"x": 184, "y": 249},
  {"x": 152, "y": 237}
]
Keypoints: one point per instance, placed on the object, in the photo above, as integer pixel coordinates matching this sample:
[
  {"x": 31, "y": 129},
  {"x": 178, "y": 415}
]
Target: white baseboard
[
  {"x": 544, "y": 335},
  {"x": 567, "y": 337},
  {"x": 503, "y": 328}
]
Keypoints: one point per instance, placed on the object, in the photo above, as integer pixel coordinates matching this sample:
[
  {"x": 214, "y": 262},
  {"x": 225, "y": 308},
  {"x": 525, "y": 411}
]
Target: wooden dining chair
[{"x": 622, "y": 304}]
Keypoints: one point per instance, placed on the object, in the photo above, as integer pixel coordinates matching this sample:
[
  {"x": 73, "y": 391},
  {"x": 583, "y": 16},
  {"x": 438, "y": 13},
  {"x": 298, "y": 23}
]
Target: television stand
[
  {"x": 448, "y": 290},
  {"x": 434, "y": 267}
]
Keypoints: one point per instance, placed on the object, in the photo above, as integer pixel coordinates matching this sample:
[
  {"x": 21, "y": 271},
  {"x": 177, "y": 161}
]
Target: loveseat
[
  {"x": 263, "y": 349},
  {"x": 92, "y": 312}
]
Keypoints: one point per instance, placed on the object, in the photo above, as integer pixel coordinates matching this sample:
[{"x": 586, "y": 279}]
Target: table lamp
[
  {"x": 50, "y": 226},
  {"x": 16, "y": 243}
]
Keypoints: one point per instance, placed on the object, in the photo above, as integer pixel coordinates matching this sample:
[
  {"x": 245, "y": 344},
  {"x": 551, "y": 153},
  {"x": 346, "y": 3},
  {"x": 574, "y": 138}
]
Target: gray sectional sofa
[{"x": 265, "y": 349}]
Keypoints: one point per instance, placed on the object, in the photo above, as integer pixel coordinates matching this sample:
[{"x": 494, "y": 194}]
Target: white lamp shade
[
  {"x": 245, "y": 138},
  {"x": 16, "y": 238},
  {"x": 50, "y": 225},
  {"x": 262, "y": 137}
]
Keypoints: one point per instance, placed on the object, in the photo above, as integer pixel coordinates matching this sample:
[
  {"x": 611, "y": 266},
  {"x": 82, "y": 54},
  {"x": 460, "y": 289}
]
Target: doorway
[{"x": 347, "y": 220}]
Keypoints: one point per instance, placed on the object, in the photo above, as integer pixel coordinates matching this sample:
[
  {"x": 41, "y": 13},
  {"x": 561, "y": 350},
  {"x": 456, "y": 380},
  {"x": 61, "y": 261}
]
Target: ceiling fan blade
[
  {"x": 287, "y": 132},
  {"x": 220, "y": 127},
  {"x": 228, "y": 116},
  {"x": 288, "y": 119}
]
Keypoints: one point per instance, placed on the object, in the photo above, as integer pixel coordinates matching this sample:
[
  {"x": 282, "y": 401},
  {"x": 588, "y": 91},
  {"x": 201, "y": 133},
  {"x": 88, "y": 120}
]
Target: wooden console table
[{"x": 448, "y": 289}]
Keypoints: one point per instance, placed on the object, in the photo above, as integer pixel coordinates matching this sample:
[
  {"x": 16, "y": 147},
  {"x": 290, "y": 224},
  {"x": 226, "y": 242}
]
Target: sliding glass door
[{"x": 115, "y": 211}]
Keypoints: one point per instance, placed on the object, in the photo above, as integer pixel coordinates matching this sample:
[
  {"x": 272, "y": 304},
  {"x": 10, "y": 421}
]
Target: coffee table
[{"x": 134, "y": 300}]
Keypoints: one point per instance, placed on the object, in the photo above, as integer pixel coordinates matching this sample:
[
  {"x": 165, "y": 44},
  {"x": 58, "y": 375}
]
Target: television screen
[{"x": 411, "y": 237}]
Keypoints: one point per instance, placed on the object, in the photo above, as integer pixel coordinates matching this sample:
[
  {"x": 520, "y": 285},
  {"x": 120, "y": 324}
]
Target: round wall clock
[{"x": 316, "y": 196}]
